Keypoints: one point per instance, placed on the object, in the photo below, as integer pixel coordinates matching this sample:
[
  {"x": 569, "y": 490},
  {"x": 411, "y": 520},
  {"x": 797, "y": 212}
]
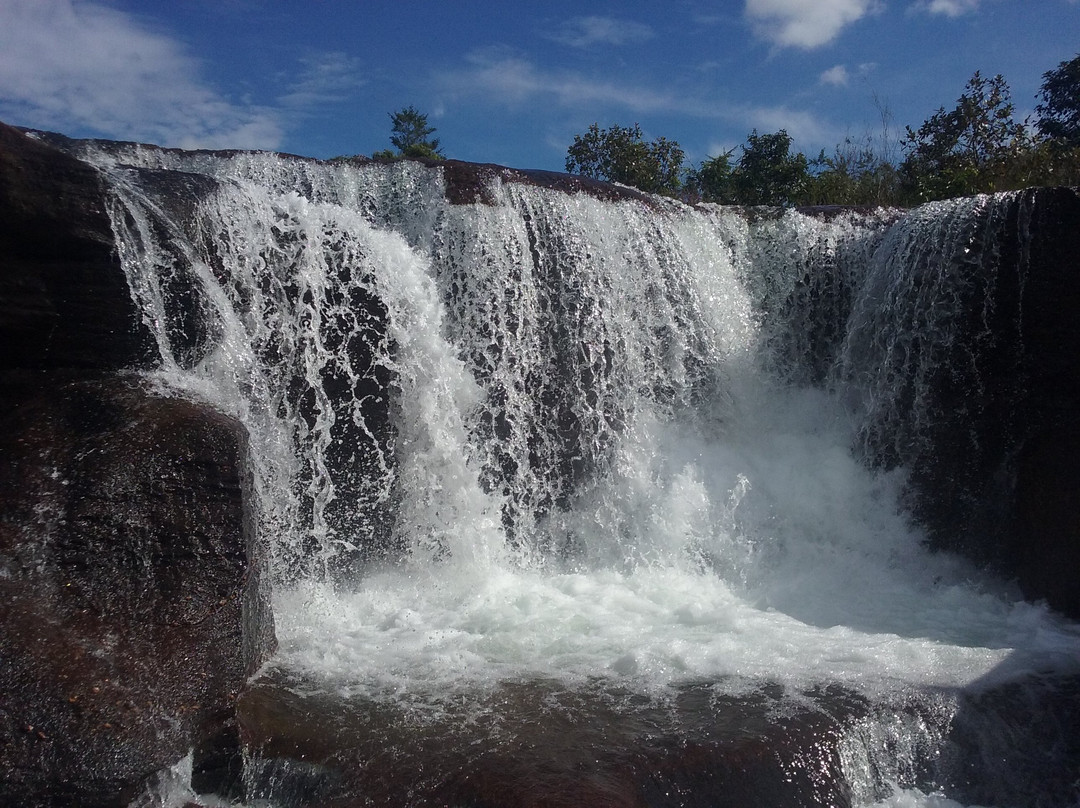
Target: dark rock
[
  {"x": 995, "y": 474},
  {"x": 132, "y": 611},
  {"x": 132, "y": 606},
  {"x": 64, "y": 300},
  {"x": 1046, "y": 551},
  {"x": 1016, "y": 744},
  {"x": 533, "y": 744}
]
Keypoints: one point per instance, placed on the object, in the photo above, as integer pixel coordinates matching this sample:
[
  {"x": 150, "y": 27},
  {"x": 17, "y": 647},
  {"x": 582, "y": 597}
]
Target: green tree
[
  {"x": 711, "y": 181},
  {"x": 619, "y": 154},
  {"x": 968, "y": 149},
  {"x": 855, "y": 174},
  {"x": 1059, "y": 111},
  {"x": 411, "y": 135},
  {"x": 768, "y": 173}
]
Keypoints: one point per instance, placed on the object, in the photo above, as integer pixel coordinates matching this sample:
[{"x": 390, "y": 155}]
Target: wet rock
[
  {"x": 1016, "y": 744},
  {"x": 64, "y": 300},
  {"x": 996, "y": 476},
  {"x": 133, "y": 607},
  {"x": 1046, "y": 550},
  {"x": 533, "y": 744}
]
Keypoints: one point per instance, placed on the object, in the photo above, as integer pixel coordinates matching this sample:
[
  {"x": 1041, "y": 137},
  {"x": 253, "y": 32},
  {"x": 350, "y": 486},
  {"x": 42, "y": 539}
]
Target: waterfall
[{"x": 555, "y": 438}]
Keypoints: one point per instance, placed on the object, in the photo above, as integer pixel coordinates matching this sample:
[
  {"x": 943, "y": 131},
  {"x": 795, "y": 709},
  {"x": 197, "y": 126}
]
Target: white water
[{"x": 692, "y": 510}]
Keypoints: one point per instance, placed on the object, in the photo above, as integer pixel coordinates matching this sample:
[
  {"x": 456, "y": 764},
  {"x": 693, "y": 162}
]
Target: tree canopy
[
  {"x": 1059, "y": 111},
  {"x": 411, "y": 135},
  {"x": 711, "y": 181},
  {"x": 977, "y": 146},
  {"x": 768, "y": 173},
  {"x": 964, "y": 150},
  {"x": 619, "y": 154}
]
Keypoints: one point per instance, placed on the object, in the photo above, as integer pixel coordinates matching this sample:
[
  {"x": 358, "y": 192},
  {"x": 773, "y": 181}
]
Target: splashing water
[{"x": 563, "y": 439}]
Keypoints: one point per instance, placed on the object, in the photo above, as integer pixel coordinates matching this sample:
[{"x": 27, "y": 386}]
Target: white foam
[{"x": 772, "y": 556}]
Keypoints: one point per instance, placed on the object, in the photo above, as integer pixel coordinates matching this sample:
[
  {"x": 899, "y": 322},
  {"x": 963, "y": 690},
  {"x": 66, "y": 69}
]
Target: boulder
[
  {"x": 64, "y": 300},
  {"x": 133, "y": 608}
]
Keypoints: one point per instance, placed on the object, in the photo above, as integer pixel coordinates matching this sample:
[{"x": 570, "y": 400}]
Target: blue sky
[{"x": 511, "y": 82}]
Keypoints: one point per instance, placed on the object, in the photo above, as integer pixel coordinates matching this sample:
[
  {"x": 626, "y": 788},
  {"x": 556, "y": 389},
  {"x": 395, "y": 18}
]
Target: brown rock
[
  {"x": 538, "y": 745},
  {"x": 132, "y": 609}
]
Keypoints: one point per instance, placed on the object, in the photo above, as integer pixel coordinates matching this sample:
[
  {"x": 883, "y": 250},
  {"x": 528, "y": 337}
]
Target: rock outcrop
[{"x": 132, "y": 600}]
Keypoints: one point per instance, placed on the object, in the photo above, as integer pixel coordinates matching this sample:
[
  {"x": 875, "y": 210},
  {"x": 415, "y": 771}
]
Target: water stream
[{"x": 557, "y": 439}]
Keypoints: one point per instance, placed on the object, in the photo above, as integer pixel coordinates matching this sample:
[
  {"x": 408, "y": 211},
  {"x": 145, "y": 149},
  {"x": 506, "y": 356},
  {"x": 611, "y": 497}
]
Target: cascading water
[{"x": 556, "y": 439}]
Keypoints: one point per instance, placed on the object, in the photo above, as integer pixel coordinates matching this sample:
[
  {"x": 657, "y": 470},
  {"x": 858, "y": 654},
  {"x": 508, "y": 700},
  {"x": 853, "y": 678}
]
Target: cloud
[
  {"x": 84, "y": 65},
  {"x": 804, "y": 127},
  {"x": 950, "y": 8},
  {"x": 805, "y": 23},
  {"x": 324, "y": 79},
  {"x": 836, "y": 76},
  {"x": 509, "y": 79},
  {"x": 583, "y": 32},
  {"x": 504, "y": 78}
]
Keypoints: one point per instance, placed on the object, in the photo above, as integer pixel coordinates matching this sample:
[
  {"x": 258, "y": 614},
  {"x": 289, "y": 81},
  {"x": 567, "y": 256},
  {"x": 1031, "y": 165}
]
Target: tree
[
  {"x": 768, "y": 173},
  {"x": 411, "y": 135},
  {"x": 711, "y": 181},
  {"x": 1059, "y": 112},
  {"x": 857, "y": 173},
  {"x": 968, "y": 149},
  {"x": 619, "y": 154}
]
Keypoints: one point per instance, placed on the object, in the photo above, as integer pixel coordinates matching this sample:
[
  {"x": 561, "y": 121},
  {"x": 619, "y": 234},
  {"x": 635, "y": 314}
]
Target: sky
[{"x": 511, "y": 82}]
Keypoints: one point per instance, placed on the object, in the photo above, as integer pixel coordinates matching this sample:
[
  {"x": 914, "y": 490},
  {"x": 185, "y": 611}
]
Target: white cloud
[
  {"x": 950, "y": 8},
  {"x": 582, "y": 32},
  {"x": 324, "y": 79},
  {"x": 836, "y": 76},
  {"x": 803, "y": 126},
  {"x": 65, "y": 64},
  {"x": 504, "y": 78},
  {"x": 509, "y": 79},
  {"x": 805, "y": 23}
]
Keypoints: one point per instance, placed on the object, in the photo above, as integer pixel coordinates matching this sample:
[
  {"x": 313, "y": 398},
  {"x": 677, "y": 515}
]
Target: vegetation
[
  {"x": 768, "y": 173},
  {"x": 978, "y": 146},
  {"x": 1059, "y": 111},
  {"x": 968, "y": 149},
  {"x": 618, "y": 154},
  {"x": 710, "y": 182},
  {"x": 411, "y": 135}
]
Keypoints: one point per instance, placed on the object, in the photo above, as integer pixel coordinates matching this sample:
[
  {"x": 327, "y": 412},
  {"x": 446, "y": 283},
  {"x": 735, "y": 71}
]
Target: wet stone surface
[{"x": 541, "y": 744}]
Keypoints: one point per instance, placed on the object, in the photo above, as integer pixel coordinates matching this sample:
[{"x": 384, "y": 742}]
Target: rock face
[
  {"x": 132, "y": 605},
  {"x": 64, "y": 302},
  {"x": 998, "y": 476}
]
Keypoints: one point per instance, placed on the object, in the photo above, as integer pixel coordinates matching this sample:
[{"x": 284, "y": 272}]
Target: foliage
[
  {"x": 861, "y": 171},
  {"x": 768, "y": 173},
  {"x": 710, "y": 182},
  {"x": 411, "y": 135},
  {"x": 965, "y": 150},
  {"x": 619, "y": 154},
  {"x": 855, "y": 174},
  {"x": 1059, "y": 112},
  {"x": 975, "y": 147}
]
